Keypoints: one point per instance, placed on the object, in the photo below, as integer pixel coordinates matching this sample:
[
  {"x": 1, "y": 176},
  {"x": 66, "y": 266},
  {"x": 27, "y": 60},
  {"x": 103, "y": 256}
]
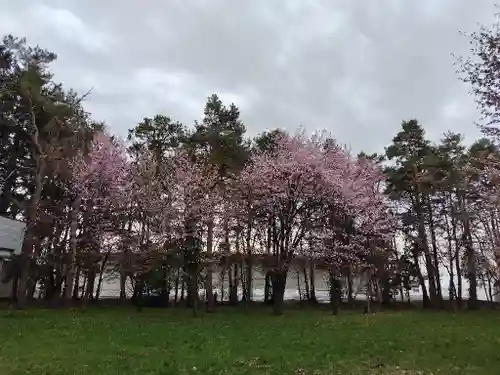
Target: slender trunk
[
  {"x": 435, "y": 255},
  {"x": 249, "y": 263},
  {"x": 243, "y": 280},
  {"x": 89, "y": 292},
  {"x": 34, "y": 274},
  {"x": 191, "y": 256},
  {"x": 471, "y": 267},
  {"x": 15, "y": 283},
  {"x": 335, "y": 292},
  {"x": 278, "y": 280},
  {"x": 490, "y": 290},
  {"x": 139, "y": 293},
  {"x": 29, "y": 234},
  {"x": 70, "y": 274},
  {"x": 193, "y": 290},
  {"x": 233, "y": 293},
  {"x": 101, "y": 275},
  {"x": 268, "y": 291},
  {"x": 485, "y": 285},
  {"x": 50, "y": 285},
  {"x": 451, "y": 288},
  {"x": 230, "y": 283},
  {"x": 425, "y": 295},
  {"x": 83, "y": 288},
  {"x": 168, "y": 286},
  {"x": 222, "y": 279},
  {"x": 124, "y": 267},
  {"x": 58, "y": 266},
  {"x": 76, "y": 284},
  {"x": 299, "y": 291},
  {"x": 350, "y": 298},
  {"x": 369, "y": 293},
  {"x": 458, "y": 267},
  {"x": 183, "y": 289},
  {"x": 123, "y": 283},
  {"x": 385, "y": 290},
  {"x": 423, "y": 243},
  {"x": 306, "y": 283},
  {"x": 209, "y": 277},
  {"x": 312, "y": 282},
  {"x": 176, "y": 297}
]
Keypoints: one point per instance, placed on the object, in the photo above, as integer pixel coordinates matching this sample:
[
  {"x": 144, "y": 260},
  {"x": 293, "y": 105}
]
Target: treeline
[{"x": 176, "y": 204}]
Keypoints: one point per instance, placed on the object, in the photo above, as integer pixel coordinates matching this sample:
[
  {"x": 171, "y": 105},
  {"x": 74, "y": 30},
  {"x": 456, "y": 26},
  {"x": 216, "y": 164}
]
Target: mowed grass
[{"x": 231, "y": 341}]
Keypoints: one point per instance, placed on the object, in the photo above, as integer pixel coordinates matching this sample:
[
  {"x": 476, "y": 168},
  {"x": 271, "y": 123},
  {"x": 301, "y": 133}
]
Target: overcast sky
[{"x": 356, "y": 68}]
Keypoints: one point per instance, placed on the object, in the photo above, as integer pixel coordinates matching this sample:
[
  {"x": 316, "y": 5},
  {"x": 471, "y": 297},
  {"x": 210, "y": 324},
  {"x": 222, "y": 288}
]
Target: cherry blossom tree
[
  {"x": 301, "y": 185},
  {"x": 357, "y": 223},
  {"x": 196, "y": 201},
  {"x": 101, "y": 183},
  {"x": 150, "y": 209}
]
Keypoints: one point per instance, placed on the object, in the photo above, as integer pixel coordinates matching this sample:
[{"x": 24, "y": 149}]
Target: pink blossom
[{"x": 304, "y": 181}]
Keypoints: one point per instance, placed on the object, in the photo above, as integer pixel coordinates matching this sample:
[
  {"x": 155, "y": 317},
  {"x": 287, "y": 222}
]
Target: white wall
[{"x": 11, "y": 234}]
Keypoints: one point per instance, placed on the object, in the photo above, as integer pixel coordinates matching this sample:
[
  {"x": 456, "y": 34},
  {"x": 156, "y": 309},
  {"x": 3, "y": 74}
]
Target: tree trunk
[
  {"x": 123, "y": 283},
  {"x": 458, "y": 267},
  {"x": 209, "y": 277},
  {"x": 249, "y": 264},
  {"x": 31, "y": 221},
  {"x": 193, "y": 289},
  {"x": 306, "y": 283},
  {"x": 312, "y": 283},
  {"x": 89, "y": 291},
  {"x": 76, "y": 284},
  {"x": 139, "y": 293},
  {"x": 233, "y": 293},
  {"x": 167, "y": 285},
  {"x": 222, "y": 278},
  {"x": 471, "y": 267},
  {"x": 369, "y": 296},
  {"x": 101, "y": 276},
  {"x": 268, "y": 292},
  {"x": 490, "y": 291},
  {"x": 335, "y": 292},
  {"x": 423, "y": 244},
  {"x": 191, "y": 256},
  {"x": 451, "y": 287},
  {"x": 15, "y": 283},
  {"x": 230, "y": 283},
  {"x": 278, "y": 280},
  {"x": 176, "y": 296},
  {"x": 299, "y": 290},
  {"x": 70, "y": 274},
  {"x": 435, "y": 255},
  {"x": 183, "y": 289},
  {"x": 350, "y": 298},
  {"x": 385, "y": 291},
  {"x": 425, "y": 295}
]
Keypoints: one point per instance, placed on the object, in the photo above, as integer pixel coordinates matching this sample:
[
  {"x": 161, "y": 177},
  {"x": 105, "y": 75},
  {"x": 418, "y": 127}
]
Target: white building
[{"x": 11, "y": 241}]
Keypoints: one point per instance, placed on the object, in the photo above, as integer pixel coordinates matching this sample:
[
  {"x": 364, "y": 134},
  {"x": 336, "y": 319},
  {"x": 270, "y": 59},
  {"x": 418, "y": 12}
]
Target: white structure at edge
[{"x": 11, "y": 242}]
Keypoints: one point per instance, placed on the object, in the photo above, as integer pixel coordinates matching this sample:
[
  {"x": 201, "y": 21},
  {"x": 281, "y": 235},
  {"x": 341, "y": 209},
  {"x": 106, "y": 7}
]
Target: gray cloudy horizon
[{"x": 354, "y": 68}]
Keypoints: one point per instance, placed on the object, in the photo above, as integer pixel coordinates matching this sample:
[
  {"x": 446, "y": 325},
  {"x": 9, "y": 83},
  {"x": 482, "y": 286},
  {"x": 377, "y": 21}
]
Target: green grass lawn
[{"x": 114, "y": 341}]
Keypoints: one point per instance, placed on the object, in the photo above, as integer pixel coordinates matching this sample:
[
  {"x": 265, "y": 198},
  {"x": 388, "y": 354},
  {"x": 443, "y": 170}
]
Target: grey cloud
[{"x": 353, "y": 67}]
